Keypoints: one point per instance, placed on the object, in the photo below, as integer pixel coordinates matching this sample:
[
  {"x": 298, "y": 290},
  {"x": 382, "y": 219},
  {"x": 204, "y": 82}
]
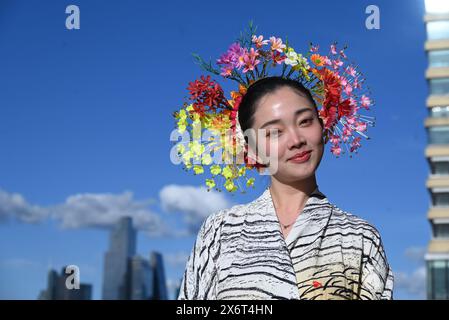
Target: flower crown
[{"x": 335, "y": 85}]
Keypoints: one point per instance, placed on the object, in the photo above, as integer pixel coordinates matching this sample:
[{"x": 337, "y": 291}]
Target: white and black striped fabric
[{"x": 241, "y": 253}]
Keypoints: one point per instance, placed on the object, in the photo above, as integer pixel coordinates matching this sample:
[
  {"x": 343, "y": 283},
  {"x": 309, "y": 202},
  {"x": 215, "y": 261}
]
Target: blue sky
[{"x": 85, "y": 119}]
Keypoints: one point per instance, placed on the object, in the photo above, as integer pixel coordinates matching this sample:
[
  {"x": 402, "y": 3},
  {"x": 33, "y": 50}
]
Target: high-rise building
[
  {"x": 159, "y": 285},
  {"x": 437, "y": 152},
  {"x": 141, "y": 279},
  {"x": 57, "y": 288},
  {"x": 122, "y": 247}
]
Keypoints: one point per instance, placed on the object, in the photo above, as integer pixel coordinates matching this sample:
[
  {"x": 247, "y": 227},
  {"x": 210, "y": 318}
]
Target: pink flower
[
  {"x": 334, "y": 139},
  {"x": 365, "y": 101},
  {"x": 276, "y": 44},
  {"x": 355, "y": 144},
  {"x": 249, "y": 60},
  {"x": 259, "y": 41},
  {"x": 348, "y": 89},
  {"x": 231, "y": 59},
  {"x": 314, "y": 48},
  {"x": 327, "y": 61},
  {"x": 353, "y": 103},
  {"x": 342, "y": 54},
  {"x": 350, "y": 71},
  {"x": 351, "y": 120},
  {"x": 336, "y": 150},
  {"x": 360, "y": 126},
  {"x": 333, "y": 49},
  {"x": 343, "y": 81},
  {"x": 337, "y": 63},
  {"x": 347, "y": 131}
]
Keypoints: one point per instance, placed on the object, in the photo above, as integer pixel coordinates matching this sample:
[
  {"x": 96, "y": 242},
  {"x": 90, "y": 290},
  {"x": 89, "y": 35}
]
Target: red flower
[
  {"x": 329, "y": 116},
  {"x": 317, "y": 284},
  {"x": 345, "y": 109},
  {"x": 207, "y": 93}
]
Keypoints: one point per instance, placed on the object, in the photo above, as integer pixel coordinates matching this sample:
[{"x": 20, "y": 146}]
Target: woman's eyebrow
[{"x": 297, "y": 112}]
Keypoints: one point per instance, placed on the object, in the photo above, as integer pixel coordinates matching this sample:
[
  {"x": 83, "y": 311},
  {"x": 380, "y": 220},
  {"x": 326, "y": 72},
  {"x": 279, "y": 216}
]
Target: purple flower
[{"x": 231, "y": 59}]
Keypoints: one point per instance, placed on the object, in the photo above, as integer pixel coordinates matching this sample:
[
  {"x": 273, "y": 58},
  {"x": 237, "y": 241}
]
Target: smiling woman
[{"x": 291, "y": 242}]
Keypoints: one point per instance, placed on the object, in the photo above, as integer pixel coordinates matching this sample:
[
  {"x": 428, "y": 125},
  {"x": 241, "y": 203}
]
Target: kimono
[{"x": 241, "y": 253}]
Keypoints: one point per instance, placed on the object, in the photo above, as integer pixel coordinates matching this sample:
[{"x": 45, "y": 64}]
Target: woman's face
[{"x": 298, "y": 128}]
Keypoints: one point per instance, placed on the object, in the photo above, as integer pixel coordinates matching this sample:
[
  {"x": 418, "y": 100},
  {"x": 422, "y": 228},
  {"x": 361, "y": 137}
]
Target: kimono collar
[
  {"x": 315, "y": 197},
  {"x": 315, "y": 212}
]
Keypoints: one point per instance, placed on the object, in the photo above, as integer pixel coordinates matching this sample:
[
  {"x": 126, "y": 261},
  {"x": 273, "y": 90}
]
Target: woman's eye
[
  {"x": 307, "y": 121},
  {"x": 273, "y": 133}
]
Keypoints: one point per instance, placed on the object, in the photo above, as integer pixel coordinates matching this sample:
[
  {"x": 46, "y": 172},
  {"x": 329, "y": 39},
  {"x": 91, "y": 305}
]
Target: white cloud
[
  {"x": 105, "y": 209},
  {"x": 102, "y": 210},
  {"x": 87, "y": 210},
  {"x": 413, "y": 283},
  {"x": 15, "y": 205},
  {"x": 196, "y": 203}
]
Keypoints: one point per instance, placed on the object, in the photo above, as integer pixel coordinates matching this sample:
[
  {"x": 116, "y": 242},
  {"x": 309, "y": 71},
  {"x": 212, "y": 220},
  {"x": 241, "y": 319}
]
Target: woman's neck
[{"x": 291, "y": 197}]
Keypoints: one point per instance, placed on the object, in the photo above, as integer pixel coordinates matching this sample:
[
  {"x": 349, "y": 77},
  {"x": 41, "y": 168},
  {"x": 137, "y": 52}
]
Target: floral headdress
[{"x": 335, "y": 85}]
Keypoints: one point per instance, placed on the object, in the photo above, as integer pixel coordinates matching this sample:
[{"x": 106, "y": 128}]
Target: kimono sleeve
[
  {"x": 377, "y": 276},
  {"x": 198, "y": 278}
]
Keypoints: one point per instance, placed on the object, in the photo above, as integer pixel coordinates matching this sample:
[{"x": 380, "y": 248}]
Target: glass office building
[{"x": 122, "y": 247}]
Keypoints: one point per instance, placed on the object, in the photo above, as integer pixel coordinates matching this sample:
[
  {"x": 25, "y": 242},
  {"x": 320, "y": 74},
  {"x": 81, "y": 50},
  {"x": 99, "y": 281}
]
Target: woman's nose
[{"x": 295, "y": 139}]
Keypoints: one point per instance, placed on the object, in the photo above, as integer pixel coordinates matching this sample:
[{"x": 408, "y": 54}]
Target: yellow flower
[
  {"x": 242, "y": 171},
  {"x": 187, "y": 156},
  {"x": 210, "y": 183},
  {"x": 250, "y": 182},
  {"x": 227, "y": 172},
  {"x": 197, "y": 148},
  {"x": 181, "y": 148},
  {"x": 230, "y": 186},
  {"x": 182, "y": 114},
  {"x": 198, "y": 169},
  {"x": 182, "y": 125},
  {"x": 215, "y": 169},
  {"x": 206, "y": 159}
]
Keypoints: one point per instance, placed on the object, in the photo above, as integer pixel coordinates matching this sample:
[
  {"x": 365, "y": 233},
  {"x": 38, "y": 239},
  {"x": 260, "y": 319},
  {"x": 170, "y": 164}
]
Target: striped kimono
[{"x": 241, "y": 253}]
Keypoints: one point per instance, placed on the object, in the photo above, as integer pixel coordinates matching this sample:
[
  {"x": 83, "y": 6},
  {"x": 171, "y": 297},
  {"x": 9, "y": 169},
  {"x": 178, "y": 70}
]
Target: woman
[{"x": 290, "y": 242}]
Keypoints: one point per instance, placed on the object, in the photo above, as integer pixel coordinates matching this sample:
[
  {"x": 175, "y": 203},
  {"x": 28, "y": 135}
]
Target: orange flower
[{"x": 317, "y": 60}]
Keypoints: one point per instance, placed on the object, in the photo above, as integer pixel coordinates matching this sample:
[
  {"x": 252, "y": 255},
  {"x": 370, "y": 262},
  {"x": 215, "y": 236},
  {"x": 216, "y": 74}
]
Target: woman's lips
[{"x": 301, "y": 157}]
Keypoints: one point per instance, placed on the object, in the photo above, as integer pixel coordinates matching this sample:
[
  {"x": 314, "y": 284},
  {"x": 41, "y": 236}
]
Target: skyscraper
[
  {"x": 159, "y": 285},
  {"x": 437, "y": 152},
  {"x": 122, "y": 246},
  {"x": 141, "y": 279},
  {"x": 57, "y": 289}
]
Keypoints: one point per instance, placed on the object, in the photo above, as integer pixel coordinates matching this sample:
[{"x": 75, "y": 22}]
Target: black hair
[{"x": 259, "y": 89}]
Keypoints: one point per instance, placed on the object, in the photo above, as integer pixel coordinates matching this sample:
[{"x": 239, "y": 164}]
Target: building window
[
  {"x": 438, "y": 58},
  {"x": 440, "y": 199},
  {"x": 440, "y": 167},
  {"x": 437, "y": 30},
  {"x": 439, "y": 86},
  {"x": 438, "y": 135},
  {"x": 440, "y": 230},
  {"x": 438, "y": 279},
  {"x": 439, "y": 112}
]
